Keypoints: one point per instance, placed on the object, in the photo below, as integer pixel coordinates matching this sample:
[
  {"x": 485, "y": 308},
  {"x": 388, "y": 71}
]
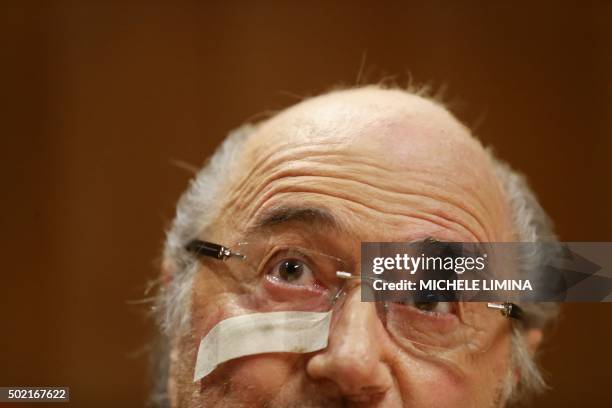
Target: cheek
[
  {"x": 211, "y": 302},
  {"x": 260, "y": 377},
  {"x": 433, "y": 384},
  {"x": 252, "y": 381},
  {"x": 247, "y": 379},
  {"x": 427, "y": 385}
]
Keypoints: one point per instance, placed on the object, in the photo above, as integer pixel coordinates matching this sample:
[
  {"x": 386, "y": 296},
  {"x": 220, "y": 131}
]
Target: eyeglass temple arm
[
  {"x": 508, "y": 309},
  {"x": 212, "y": 250}
]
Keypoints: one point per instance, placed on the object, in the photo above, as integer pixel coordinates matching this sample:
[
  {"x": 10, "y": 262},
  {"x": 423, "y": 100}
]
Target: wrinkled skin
[{"x": 389, "y": 166}]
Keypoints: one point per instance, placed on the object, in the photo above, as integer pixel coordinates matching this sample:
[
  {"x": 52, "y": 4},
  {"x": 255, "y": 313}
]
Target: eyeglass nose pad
[{"x": 344, "y": 289}]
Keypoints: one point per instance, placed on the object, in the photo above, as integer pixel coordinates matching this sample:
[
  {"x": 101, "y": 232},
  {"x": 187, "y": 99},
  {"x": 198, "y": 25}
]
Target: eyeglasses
[{"x": 269, "y": 277}]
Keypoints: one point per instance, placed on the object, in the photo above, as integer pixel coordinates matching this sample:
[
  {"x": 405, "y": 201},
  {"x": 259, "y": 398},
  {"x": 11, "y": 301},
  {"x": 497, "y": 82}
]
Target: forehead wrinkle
[
  {"x": 303, "y": 170},
  {"x": 312, "y": 161},
  {"x": 316, "y": 216},
  {"x": 469, "y": 195},
  {"x": 279, "y": 158},
  {"x": 287, "y": 185},
  {"x": 448, "y": 222},
  {"x": 277, "y": 153},
  {"x": 290, "y": 162},
  {"x": 268, "y": 159}
]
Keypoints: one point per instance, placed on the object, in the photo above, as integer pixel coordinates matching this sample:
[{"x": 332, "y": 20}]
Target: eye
[
  {"x": 293, "y": 271},
  {"x": 433, "y": 307}
]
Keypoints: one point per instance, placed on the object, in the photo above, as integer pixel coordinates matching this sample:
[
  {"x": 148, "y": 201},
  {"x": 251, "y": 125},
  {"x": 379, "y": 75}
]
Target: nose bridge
[
  {"x": 354, "y": 319},
  {"x": 350, "y": 292},
  {"x": 351, "y": 315},
  {"x": 354, "y": 357}
]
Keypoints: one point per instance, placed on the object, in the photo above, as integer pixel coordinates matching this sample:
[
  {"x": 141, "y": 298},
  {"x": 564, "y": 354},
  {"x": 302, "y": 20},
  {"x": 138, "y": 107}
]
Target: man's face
[{"x": 327, "y": 174}]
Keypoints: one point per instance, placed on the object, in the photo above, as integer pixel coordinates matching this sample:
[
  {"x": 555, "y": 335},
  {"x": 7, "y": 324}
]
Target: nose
[{"x": 354, "y": 359}]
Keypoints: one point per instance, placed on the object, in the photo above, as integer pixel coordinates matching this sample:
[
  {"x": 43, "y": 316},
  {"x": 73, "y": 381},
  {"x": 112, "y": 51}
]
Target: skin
[{"x": 389, "y": 166}]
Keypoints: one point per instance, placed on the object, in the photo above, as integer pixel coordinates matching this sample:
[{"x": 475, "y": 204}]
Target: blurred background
[{"x": 102, "y": 99}]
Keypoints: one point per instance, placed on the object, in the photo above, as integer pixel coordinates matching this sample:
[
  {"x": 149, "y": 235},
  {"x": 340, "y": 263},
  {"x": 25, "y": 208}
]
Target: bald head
[{"x": 386, "y": 156}]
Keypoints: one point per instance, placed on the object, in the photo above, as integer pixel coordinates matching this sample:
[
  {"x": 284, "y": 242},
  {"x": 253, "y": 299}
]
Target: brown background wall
[{"x": 100, "y": 98}]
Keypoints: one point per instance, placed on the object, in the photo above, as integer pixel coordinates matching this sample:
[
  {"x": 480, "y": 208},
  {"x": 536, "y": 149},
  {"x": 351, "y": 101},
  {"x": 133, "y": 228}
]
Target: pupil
[{"x": 291, "y": 270}]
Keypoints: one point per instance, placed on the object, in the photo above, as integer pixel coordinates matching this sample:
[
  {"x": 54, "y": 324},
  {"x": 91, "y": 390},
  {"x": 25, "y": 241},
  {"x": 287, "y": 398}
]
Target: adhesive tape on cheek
[{"x": 257, "y": 333}]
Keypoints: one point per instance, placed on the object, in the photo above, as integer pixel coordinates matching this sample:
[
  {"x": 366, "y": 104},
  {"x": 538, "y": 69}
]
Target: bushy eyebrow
[{"x": 313, "y": 216}]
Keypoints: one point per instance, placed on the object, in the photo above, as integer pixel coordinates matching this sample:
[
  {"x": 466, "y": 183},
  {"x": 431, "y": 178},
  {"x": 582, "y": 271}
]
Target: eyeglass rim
[{"x": 209, "y": 249}]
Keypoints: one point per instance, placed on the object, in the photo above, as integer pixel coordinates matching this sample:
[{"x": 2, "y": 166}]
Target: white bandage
[{"x": 257, "y": 333}]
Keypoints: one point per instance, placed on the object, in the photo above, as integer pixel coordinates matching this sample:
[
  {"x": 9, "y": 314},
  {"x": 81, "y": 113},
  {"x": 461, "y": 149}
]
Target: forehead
[{"x": 371, "y": 157}]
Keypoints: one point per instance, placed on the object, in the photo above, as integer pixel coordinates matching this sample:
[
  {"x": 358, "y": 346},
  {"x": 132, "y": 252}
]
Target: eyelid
[
  {"x": 277, "y": 254},
  {"x": 307, "y": 256},
  {"x": 415, "y": 315},
  {"x": 452, "y": 308}
]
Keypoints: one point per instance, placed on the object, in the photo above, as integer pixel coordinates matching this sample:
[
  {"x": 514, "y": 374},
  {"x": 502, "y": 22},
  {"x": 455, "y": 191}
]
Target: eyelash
[
  {"x": 410, "y": 312},
  {"x": 279, "y": 255},
  {"x": 451, "y": 308}
]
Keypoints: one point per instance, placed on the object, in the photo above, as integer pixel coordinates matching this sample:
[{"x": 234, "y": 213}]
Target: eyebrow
[{"x": 315, "y": 216}]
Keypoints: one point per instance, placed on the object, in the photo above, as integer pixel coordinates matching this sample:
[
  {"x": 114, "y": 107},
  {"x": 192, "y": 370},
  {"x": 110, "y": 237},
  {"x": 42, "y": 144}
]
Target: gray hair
[
  {"x": 198, "y": 208},
  {"x": 532, "y": 224},
  {"x": 195, "y": 211}
]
